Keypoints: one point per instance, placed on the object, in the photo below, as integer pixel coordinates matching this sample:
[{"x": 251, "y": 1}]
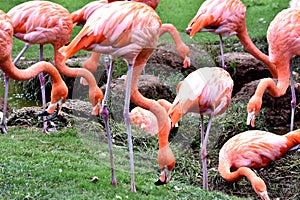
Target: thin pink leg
[
  {"x": 105, "y": 114},
  {"x": 127, "y": 122}
]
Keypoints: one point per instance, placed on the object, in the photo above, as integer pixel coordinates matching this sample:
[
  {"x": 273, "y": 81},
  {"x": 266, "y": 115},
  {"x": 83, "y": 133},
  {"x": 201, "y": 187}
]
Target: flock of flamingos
[{"x": 130, "y": 30}]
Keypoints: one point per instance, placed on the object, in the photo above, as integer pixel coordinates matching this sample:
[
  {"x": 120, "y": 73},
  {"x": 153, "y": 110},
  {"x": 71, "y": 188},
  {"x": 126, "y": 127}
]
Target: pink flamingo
[
  {"x": 253, "y": 149},
  {"x": 128, "y": 30},
  {"x": 43, "y": 22},
  {"x": 206, "y": 91},
  {"x": 59, "y": 91}
]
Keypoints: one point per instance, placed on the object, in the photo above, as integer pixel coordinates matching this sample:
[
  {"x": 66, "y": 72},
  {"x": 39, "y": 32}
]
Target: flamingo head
[
  {"x": 184, "y": 53},
  {"x": 166, "y": 161},
  {"x": 165, "y": 177},
  {"x": 253, "y": 109},
  {"x": 260, "y": 188},
  {"x": 96, "y": 97},
  {"x": 53, "y": 109}
]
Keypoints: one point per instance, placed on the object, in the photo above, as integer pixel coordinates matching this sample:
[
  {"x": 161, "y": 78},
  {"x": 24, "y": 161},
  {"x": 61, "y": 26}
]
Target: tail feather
[
  {"x": 200, "y": 22},
  {"x": 293, "y": 138},
  {"x": 81, "y": 41}
]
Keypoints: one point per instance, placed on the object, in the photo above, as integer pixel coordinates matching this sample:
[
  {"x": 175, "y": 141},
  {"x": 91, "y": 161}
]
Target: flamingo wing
[
  {"x": 41, "y": 22},
  {"x": 253, "y": 149},
  {"x": 114, "y": 26},
  {"x": 222, "y": 16}
]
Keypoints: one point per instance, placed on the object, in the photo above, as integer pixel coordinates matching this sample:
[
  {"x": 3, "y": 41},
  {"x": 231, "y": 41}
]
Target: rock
[
  {"x": 73, "y": 112},
  {"x": 243, "y": 68}
]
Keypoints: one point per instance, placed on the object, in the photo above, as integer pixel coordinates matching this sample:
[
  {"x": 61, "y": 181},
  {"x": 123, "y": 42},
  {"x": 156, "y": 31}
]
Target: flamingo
[
  {"x": 80, "y": 16},
  {"x": 128, "y": 30},
  {"x": 44, "y": 22},
  {"x": 206, "y": 91},
  {"x": 228, "y": 17},
  {"x": 253, "y": 149},
  {"x": 283, "y": 38},
  {"x": 59, "y": 91}
]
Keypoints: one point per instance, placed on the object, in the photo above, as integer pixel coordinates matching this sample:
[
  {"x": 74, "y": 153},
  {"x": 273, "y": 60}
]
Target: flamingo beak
[
  {"x": 58, "y": 108},
  {"x": 164, "y": 178},
  {"x": 251, "y": 119},
  {"x": 46, "y": 113},
  {"x": 264, "y": 195},
  {"x": 97, "y": 108},
  {"x": 188, "y": 30}
]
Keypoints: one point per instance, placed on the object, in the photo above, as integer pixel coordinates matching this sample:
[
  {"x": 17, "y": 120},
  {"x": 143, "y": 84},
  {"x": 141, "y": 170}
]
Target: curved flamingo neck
[
  {"x": 182, "y": 49},
  {"x": 252, "y": 49},
  {"x": 95, "y": 93},
  {"x": 172, "y": 31},
  {"x": 13, "y": 72},
  {"x": 256, "y": 182}
]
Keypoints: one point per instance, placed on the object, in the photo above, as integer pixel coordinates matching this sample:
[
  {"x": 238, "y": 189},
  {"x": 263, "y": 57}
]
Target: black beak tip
[
  {"x": 44, "y": 113},
  {"x": 188, "y": 31},
  {"x": 159, "y": 182}
]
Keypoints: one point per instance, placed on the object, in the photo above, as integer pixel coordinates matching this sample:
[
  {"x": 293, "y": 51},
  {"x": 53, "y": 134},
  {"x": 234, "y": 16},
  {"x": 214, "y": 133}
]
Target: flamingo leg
[
  {"x": 293, "y": 102},
  {"x": 204, "y": 154},
  {"x": 3, "y": 123},
  {"x": 293, "y": 106},
  {"x": 6, "y": 81},
  {"x": 222, "y": 52},
  {"x": 104, "y": 113},
  {"x": 42, "y": 82},
  {"x": 127, "y": 122},
  {"x": 202, "y": 128}
]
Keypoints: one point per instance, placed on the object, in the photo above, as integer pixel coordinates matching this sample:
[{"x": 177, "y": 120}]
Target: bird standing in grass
[
  {"x": 253, "y": 149},
  {"x": 127, "y": 30},
  {"x": 59, "y": 89},
  {"x": 206, "y": 91},
  {"x": 44, "y": 22}
]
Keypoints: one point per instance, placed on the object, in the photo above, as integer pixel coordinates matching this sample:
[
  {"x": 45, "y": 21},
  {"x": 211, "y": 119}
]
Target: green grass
[{"x": 59, "y": 166}]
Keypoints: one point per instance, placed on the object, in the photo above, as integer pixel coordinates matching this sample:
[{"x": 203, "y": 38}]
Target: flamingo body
[
  {"x": 101, "y": 33},
  {"x": 222, "y": 17},
  {"x": 144, "y": 119},
  {"x": 41, "y": 22},
  {"x": 206, "y": 91},
  {"x": 253, "y": 149}
]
